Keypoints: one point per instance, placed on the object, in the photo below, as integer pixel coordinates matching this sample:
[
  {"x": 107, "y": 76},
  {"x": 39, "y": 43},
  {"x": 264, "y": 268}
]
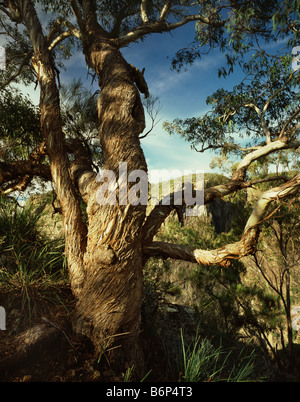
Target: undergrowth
[{"x": 32, "y": 267}]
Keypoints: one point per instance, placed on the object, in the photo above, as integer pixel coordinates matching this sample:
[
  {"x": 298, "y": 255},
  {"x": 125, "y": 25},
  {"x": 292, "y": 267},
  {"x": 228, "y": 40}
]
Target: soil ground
[{"x": 71, "y": 359}]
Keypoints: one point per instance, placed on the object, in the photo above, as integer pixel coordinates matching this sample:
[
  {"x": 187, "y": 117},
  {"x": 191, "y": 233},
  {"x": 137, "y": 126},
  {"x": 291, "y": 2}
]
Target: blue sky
[{"x": 180, "y": 95}]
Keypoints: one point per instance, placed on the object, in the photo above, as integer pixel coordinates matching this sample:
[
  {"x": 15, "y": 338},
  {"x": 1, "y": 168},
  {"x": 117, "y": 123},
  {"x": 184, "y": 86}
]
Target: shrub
[{"x": 32, "y": 268}]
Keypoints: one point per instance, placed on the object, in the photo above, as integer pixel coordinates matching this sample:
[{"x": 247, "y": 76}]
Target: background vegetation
[{"x": 200, "y": 323}]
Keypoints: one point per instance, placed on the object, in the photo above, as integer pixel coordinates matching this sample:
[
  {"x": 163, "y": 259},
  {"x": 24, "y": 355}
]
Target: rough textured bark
[
  {"x": 105, "y": 257},
  {"x": 109, "y": 306},
  {"x": 51, "y": 128},
  {"x": 17, "y": 175},
  {"x": 105, "y": 263}
]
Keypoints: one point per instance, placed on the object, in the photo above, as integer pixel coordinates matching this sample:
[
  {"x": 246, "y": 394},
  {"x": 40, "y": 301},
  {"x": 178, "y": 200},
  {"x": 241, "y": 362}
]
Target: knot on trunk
[{"x": 103, "y": 254}]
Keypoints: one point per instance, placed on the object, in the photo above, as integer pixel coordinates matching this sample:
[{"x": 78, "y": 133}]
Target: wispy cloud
[
  {"x": 163, "y": 151},
  {"x": 164, "y": 79}
]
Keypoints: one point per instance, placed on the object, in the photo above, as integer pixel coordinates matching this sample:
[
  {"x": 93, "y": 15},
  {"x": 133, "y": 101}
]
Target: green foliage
[
  {"x": 286, "y": 19},
  {"x": 233, "y": 28},
  {"x": 236, "y": 29},
  {"x": 228, "y": 305},
  {"x": 80, "y": 117},
  {"x": 20, "y": 122},
  {"x": 79, "y": 109},
  {"x": 232, "y": 120},
  {"x": 202, "y": 362},
  {"x": 19, "y": 125},
  {"x": 31, "y": 266},
  {"x": 200, "y": 238},
  {"x": 153, "y": 283},
  {"x": 18, "y": 52}
]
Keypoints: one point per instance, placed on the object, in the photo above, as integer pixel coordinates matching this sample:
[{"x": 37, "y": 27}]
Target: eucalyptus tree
[{"x": 107, "y": 252}]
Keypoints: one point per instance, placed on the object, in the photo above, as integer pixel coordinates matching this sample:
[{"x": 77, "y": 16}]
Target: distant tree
[
  {"x": 258, "y": 118},
  {"x": 106, "y": 253},
  {"x": 278, "y": 270}
]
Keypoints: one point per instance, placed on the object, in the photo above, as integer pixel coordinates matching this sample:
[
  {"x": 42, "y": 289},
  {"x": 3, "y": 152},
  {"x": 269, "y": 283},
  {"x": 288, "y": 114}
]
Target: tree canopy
[{"x": 260, "y": 109}]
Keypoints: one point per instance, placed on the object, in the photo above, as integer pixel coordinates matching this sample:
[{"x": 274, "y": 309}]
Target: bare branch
[
  {"x": 13, "y": 14},
  {"x": 261, "y": 115},
  {"x": 59, "y": 39},
  {"x": 71, "y": 31},
  {"x": 150, "y": 104},
  {"x": 163, "y": 26},
  {"x": 160, "y": 212},
  {"x": 18, "y": 185},
  {"x": 165, "y": 10},
  {"x": 251, "y": 183},
  {"x": 224, "y": 146},
  {"x": 18, "y": 72},
  {"x": 288, "y": 122},
  {"x": 16, "y": 172},
  {"x": 275, "y": 194},
  {"x": 262, "y": 120},
  {"x": 274, "y": 146},
  {"x": 144, "y": 11},
  {"x": 265, "y": 108},
  {"x": 78, "y": 15},
  {"x": 274, "y": 94}
]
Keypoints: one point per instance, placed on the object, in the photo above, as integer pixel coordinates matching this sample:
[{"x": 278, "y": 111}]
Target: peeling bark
[
  {"x": 109, "y": 307},
  {"x": 51, "y": 128},
  {"x": 105, "y": 257}
]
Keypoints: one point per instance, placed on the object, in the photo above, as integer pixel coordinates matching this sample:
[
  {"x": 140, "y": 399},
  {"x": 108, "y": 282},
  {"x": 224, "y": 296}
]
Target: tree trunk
[
  {"x": 105, "y": 258},
  {"x": 51, "y": 127},
  {"x": 109, "y": 305}
]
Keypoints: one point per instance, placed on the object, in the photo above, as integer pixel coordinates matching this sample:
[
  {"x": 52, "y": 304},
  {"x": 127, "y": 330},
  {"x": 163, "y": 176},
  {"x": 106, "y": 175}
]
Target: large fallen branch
[{"x": 237, "y": 250}]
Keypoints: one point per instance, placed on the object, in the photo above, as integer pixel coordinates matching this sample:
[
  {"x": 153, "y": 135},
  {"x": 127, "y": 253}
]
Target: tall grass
[
  {"x": 32, "y": 267},
  {"x": 203, "y": 362}
]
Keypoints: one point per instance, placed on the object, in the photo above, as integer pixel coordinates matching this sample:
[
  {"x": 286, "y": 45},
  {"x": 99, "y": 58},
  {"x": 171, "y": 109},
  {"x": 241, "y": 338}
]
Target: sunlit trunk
[
  {"x": 109, "y": 306},
  {"x": 51, "y": 128}
]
